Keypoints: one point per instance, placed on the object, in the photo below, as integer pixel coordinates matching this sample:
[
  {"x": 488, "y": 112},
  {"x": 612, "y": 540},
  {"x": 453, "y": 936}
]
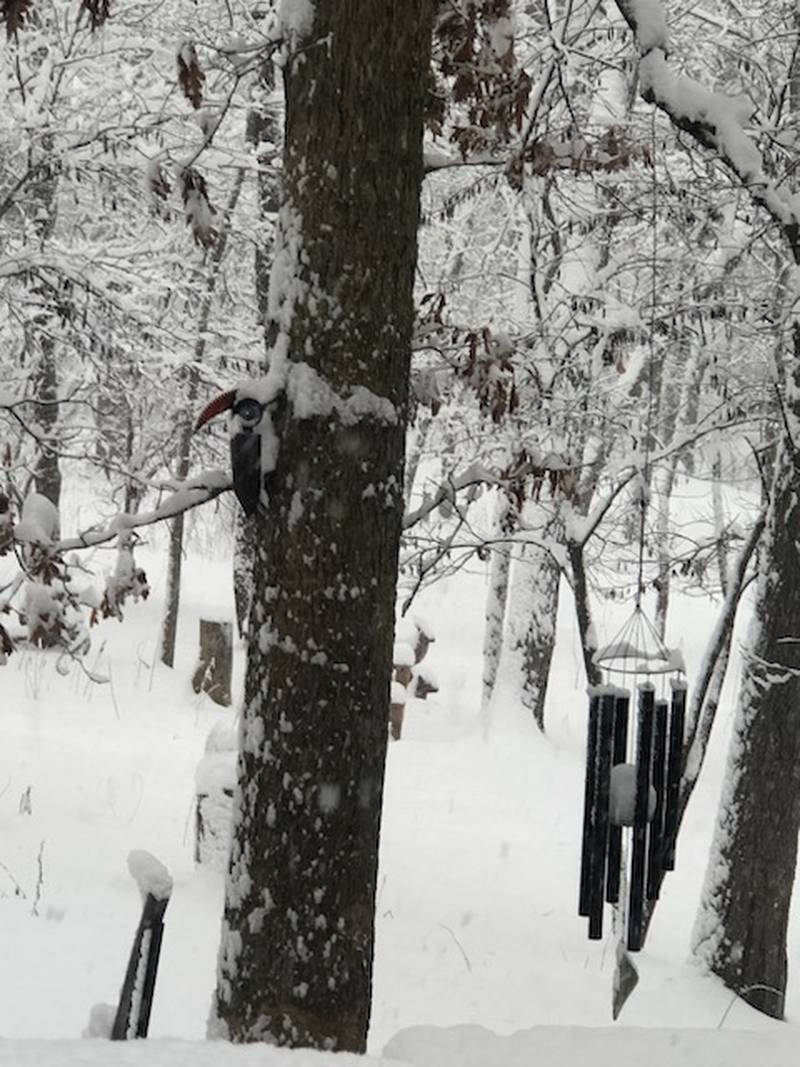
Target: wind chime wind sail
[{"x": 634, "y": 757}]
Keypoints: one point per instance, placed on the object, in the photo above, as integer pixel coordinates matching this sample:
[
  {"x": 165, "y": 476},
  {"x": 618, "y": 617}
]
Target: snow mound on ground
[
  {"x": 167, "y": 1053},
  {"x": 431, "y": 1046},
  {"x": 553, "y": 1046}
]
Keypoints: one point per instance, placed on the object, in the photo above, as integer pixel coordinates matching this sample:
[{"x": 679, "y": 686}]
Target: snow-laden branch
[
  {"x": 581, "y": 527},
  {"x": 185, "y": 496},
  {"x": 475, "y": 474},
  {"x": 712, "y": 119}
]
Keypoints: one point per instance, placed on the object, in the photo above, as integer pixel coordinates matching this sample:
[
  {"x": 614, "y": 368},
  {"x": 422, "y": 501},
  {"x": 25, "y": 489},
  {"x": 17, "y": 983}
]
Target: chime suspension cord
[{"x": 644, "y": 478}]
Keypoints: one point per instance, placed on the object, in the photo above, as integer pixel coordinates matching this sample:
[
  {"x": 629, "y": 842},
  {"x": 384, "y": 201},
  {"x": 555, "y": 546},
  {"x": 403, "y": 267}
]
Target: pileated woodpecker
[{"x": 250, "y": 424}]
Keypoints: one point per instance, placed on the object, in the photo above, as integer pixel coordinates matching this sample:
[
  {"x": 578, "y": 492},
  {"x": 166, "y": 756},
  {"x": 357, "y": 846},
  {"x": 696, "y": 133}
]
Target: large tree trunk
[
  {"x": 741, "y": 928},
  {"x": 295, "y": 964}
]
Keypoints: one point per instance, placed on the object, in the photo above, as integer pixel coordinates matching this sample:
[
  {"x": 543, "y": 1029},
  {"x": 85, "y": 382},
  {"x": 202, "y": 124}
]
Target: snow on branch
[
  {"x": 712, "y": 119},
  {"x": 185, "y": 496},
  {"x": 580, "y": 528},
  {"x": 475, "y": 474}
]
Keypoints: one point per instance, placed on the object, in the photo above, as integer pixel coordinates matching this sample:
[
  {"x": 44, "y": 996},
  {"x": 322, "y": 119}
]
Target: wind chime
[
  {"x": 633, "y": 775},
  {"x": 634, "y": 764},
  {"x": 634, "y": 760}
]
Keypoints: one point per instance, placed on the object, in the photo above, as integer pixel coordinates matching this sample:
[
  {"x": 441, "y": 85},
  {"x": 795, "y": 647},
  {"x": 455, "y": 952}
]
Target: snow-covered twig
[
  {"x": 475, "y": 474},
  {"x": 582, "y": 528},
  {"x": 711, "y": 119},
  {"x": 700, "y": 718},
  {"x": 189, "y": 494}
]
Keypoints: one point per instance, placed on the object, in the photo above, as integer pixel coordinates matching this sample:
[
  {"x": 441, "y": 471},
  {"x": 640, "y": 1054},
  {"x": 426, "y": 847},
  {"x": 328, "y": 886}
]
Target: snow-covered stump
[
  {"x": 215, "y": 780},
  {"x": 397, "y": 708},
  {"x": 414, "y": 638},
  {"x": 132, "y": 1018},
  {"x": 214, "y": 669}
]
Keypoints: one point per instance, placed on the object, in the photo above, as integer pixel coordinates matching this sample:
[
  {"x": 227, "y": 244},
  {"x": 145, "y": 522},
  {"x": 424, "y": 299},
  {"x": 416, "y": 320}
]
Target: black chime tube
[
  {"x": 644, "y": 755},
  {"x": 618, "y": 755},
  {"x": 655, "y": 846},
  {"x": 677, "y": 722},
  {"x": 600, "y": 822},
  {"x": 588, "y": 802}
]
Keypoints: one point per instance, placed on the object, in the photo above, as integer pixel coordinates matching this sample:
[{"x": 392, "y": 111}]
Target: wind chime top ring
[{"x": 638, "y": 650}]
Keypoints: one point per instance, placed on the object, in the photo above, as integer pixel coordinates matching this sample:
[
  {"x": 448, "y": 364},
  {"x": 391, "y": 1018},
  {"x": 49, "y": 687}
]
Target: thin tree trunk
[
  {"x": 583, "y": 612},
  {"x": 263, "y": 132},
  {"x": 531, "y": 613},
  {"x": 44, "y": 380},
  {"x": 719, "y": 522},
  {"x": 47, "y": 472},
  {"x": 496, "y": 598},
  {"x": 169, "y": 628},
  {"x": 664, "y": 481},
  {"x": 416, "y": 451}
]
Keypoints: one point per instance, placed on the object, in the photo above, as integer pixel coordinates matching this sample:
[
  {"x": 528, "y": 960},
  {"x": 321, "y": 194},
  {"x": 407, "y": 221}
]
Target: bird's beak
[{"x": 223, "y": 402}]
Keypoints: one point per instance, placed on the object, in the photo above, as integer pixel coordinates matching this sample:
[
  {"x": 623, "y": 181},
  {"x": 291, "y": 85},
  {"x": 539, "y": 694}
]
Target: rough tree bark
[
  {"x": 740, "y": 931},
  {"x": 295, "y": 964}
]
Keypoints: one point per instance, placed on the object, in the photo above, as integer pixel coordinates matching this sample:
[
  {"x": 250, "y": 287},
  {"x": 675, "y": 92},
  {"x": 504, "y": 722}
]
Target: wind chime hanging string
[{"x": 633, "y": 762}]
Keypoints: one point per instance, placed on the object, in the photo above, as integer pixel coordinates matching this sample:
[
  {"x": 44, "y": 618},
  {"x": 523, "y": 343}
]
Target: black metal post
[
  {"x": 136, "y": 996},
  {"x": 644, "y": 755}
]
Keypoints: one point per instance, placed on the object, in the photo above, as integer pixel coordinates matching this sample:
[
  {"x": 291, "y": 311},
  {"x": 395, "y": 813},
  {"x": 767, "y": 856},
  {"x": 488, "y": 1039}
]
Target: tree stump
[
  {"x": 214, "y": 669},
  {"x": 414, "y": 638}
]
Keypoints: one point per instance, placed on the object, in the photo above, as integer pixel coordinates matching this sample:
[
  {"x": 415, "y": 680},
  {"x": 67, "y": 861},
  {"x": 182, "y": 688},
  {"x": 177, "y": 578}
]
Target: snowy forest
[{"x": 399, "y": 580}]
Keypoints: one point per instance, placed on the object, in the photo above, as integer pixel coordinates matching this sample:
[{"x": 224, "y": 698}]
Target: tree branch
[
  {"x": 186, "y": 495},
  {"x": 711, "y": 119}
]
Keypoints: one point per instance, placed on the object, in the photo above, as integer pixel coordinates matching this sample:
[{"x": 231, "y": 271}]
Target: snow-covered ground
[{"x": 477, "y": 923}]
